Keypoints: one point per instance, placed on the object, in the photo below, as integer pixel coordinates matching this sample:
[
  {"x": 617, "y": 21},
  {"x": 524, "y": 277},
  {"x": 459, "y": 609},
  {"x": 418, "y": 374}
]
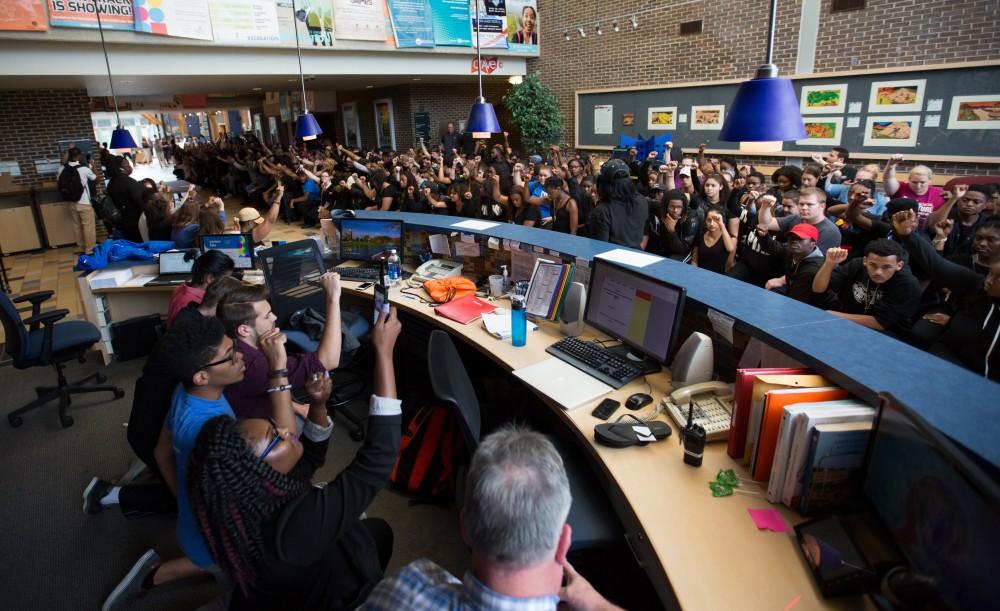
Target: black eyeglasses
[
  {"x": 229, "y": 359},
  {"x": 273, "y": 442}
]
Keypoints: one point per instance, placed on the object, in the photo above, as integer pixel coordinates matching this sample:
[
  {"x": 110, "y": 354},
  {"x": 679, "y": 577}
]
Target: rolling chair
[
  {"x": 593, "y": 520},
  {"x": 49, "y": 342},
  {"x": 290, "y": 272}
]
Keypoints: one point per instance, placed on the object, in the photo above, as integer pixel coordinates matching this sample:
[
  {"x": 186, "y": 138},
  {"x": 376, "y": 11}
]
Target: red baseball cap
[{"x": 805, "y": 230}]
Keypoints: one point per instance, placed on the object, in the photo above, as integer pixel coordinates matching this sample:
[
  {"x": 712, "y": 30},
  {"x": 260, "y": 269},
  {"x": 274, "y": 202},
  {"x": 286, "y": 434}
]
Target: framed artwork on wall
[
  {"x": 352, "y": 124},
  {"x": 385, "y": 125},
  {"x": 822, "y": 131},
  {"x": 823, "y": 99},
  {"x": 897, "y": 131},
  {"x": 974, "y": 112},
  {"x": 662, "y": 117},
  {"x": 897, "y": 96},
  {"x": 708, "y": 117}
]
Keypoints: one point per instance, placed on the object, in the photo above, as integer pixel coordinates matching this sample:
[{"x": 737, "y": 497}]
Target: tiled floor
[{"x": 52, "y": 269}]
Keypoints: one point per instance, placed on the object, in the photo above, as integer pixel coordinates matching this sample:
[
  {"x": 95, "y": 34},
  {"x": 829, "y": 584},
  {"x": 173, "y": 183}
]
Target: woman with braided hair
[{"x": 284, "y": 543}]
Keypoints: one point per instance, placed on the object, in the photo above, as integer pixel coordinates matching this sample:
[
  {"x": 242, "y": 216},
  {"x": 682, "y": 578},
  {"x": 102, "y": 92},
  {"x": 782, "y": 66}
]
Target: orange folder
[{"x": 465, "y": 309}]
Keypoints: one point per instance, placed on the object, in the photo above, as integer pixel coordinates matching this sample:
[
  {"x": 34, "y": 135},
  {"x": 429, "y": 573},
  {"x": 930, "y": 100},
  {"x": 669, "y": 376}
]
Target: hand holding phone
[{"x": 381, "y": 302}]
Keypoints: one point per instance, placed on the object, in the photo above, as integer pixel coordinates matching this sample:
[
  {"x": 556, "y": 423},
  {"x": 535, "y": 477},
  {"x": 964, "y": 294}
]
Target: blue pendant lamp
[
  {"x": 482, "y": 118},
  {"x": 765, "y": 111},
  {"x": 306, "y": 127},
  {"x": 121, "y": 139}
]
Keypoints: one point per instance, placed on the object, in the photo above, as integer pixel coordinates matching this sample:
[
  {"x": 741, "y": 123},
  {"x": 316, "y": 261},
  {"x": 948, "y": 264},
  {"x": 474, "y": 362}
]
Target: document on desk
[
  {"x": 562, "y": 382},
  {"x": 628, "y": 257},
  {"x": 474, "y": 224},
  {"x": 467, "y": 249}
]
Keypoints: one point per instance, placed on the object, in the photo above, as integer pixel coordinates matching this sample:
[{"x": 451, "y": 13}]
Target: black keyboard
[
  {"x": 361, "y": 273},
  {"x": 595, "y": 361}
]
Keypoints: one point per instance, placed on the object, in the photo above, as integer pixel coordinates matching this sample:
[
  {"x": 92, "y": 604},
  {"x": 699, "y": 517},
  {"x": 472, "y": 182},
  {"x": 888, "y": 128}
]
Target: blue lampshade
[
  {"x": 765, "y": 109},
  {"x": 306, "y": 127},
  {"x": 121, "y": 139},
  {"x": 482, "y": 118}
]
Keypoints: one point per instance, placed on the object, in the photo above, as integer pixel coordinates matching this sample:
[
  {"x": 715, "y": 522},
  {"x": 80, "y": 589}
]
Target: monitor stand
[{"x": 643, "y": 364}]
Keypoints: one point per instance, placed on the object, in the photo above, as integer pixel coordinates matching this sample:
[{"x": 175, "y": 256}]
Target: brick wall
[
  {"x": 32, "y": 123},
  {"x": 886, "y": 33}
]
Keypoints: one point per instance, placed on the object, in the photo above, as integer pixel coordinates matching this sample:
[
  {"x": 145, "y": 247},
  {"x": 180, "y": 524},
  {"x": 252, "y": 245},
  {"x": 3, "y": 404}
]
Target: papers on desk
[
  {"x": 474, "y": 224},
  {"x": 109, "y": 278},
  {"x": 140, "y": 280},
  {"x": 562, "y": 382},
  {"x": 497, "y": 324},
  {"x": 628, "y": 257}
]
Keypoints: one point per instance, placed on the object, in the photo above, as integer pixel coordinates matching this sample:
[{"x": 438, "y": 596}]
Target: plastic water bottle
[
  {"x": 395, "y": 272},
  {"x": 518, "y": 315}
]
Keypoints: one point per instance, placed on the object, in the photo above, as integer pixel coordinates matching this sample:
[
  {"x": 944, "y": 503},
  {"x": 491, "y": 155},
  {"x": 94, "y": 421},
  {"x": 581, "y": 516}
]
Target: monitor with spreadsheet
[
  {"x": 239, "y": 247},
  {"x": 369, "y": 240},
  {"x": 642, "y": 312}
]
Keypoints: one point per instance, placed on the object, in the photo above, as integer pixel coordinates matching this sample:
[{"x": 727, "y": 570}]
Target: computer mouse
[{"x": 638, "y": 401}]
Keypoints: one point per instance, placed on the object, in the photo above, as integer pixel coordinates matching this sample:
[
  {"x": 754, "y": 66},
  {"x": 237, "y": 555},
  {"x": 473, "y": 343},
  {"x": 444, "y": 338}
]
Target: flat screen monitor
[
  {"x": 369, "y": 240},
  {"x": 942, "y": 510},
  {"x": 172, "y": 262},
  {"x": 239, "y": 247},
  {"x": 642, "y": 312}
]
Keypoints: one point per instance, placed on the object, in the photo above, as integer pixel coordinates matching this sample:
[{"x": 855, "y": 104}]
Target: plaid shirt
[{"x": 423, "y": 585}]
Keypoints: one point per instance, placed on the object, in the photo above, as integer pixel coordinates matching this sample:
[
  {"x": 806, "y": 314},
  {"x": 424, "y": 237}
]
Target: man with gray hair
[{"x": 517, "y": 499}]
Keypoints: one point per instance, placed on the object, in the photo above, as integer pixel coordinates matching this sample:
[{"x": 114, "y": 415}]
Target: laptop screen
[
  {"x": 368, "y": 240},
  {"x": 239, "y": 247},
  {"x": 174, "y": 263}
]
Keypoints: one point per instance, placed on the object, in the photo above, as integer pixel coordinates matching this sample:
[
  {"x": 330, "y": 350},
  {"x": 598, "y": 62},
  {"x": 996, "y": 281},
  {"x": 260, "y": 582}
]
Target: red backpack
[{"x": 430, "y": 451}]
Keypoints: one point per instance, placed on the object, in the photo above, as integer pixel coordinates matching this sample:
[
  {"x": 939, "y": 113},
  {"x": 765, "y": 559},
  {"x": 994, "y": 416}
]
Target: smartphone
[
  {"x": 365, "y": 286},
  {"x": 605, "y": 408},
  {"x": 381, "y": 302}
]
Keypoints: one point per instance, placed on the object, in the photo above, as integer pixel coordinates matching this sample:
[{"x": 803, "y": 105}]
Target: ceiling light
[
  {"x": 306, "y": 127},
  {"x": 635, "y": 23},
  {"x": 599, "y": 32},
  {"x": 614, "y": 26},
  {"x": 369, "y": 86},
  {"x": 121, "y": 139},
  {"x": 515, "y": 80},
  {"x": 482, "y": 118},
  {"x": 566, "y": 35},
  {"x": 416, "y": 79},
  {"x": 582, "y": 33},
  {"x": 256, "y": 88}
]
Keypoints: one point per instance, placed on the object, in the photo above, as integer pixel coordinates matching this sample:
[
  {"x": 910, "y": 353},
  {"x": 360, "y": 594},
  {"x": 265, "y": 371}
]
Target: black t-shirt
[
  {"x": 712, "y": 257},
  {"x": 390, "y": 190},
  {"x": 526, "y": 213},
  {"x": 961, "y": 236},
  {"x": 893, "y": 303},
  {"x": 620, "y": 222}
]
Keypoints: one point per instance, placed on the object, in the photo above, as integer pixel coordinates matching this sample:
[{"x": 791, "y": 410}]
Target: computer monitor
[
  {"x": 369, "y": 240},
  {"x": 239, "y": 247},
  {"x": 641, "y": 312},
  {"x": 941, "y": 508}
]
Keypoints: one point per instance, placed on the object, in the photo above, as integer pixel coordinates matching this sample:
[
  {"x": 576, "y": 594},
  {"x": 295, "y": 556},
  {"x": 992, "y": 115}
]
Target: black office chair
[
  {"x": 49, "y": 342},
  {"x": 290, "y": 272},
  {"x": 593, "y": 520}
]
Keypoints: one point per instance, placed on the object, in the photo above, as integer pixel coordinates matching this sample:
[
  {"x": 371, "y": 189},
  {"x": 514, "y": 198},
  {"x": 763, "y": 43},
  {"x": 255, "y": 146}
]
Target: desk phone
[{"x": 712, "y": 407}]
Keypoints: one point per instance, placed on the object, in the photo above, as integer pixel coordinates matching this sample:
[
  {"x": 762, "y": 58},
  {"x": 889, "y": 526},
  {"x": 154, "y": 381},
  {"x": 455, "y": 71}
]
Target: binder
[
  {"x": 741, "y": 405},
  {"x": 465, "y": 309},
  {"x": 761, "y": 385}
]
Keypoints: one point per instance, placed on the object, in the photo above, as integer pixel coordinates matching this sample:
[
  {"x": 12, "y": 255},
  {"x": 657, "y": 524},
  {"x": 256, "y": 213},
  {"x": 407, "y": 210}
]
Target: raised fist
[{"x": 836, "y": 255}]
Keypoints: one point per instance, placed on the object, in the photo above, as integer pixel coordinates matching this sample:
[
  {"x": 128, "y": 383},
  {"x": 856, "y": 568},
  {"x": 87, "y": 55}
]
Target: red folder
[
  {"x": 465, "y": 309},
  {"x": 741, "y": 405}
]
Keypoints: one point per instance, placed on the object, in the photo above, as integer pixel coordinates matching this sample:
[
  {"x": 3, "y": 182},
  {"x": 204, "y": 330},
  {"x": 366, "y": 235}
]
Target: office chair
[
  {"x": 593, "y": 520},
  {"x": 49, "y": 342},
  {"x": 290, "y": 272}
]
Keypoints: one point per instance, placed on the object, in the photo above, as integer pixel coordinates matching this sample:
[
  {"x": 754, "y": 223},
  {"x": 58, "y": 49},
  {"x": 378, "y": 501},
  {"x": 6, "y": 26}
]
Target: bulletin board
[{"x": 949, "y": 112}]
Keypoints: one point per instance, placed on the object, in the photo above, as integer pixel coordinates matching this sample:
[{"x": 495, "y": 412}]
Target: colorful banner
[
  {"x": 180, "y": 18},
  {"x": 115, "y": 14},
  {"x": 412, "y": 23},
  {"x": 245, "y": 21},
  {"x": 491, "y": 31},
  {"x": 360, "y": 19},
  {"x": 315, "y": 22},
  {"x": 21, "y": 15},
  {"x": 522, "y": 25},
  {"x": 452, "y": 23}
]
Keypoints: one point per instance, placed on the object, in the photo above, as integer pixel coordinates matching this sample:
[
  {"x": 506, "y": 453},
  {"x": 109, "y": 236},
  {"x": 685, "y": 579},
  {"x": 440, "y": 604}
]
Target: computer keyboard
[
  {"x": 361, "y": 273},
  {"x": 595, "y": 361}
]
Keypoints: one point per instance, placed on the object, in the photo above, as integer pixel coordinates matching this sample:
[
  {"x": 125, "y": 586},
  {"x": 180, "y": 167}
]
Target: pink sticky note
[{"x": 768, "y": 519}]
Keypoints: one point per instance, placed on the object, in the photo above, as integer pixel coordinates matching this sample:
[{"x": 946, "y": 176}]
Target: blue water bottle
[
  {"x": 518, "y": 315},
  {"x": 395, "y": 272}
]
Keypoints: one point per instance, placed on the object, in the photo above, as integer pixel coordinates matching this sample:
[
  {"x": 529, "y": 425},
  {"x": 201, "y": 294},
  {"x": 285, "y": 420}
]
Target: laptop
[
  {"x": 367, "y": 241},
  {"x": 239, "y": 247},
  {"x": 173, "y": 269}
]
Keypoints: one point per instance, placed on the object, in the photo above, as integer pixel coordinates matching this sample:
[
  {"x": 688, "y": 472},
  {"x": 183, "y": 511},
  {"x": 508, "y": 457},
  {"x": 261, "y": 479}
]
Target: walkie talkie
[{"x": 693, "y": 436}]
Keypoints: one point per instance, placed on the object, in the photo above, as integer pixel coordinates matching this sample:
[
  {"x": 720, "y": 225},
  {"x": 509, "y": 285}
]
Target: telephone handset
[
  {"x": 712, "y": 407},
  {"x": 435, "y": 269}
]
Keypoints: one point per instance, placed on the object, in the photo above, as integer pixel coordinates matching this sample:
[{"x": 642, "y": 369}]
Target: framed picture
[
  {"x": 974, "y": 112},
  {"x": 708, "y": 117},
  {"x": 897, "y": 131},
  {"x": 352, "y": 124},
  {"x": 823, "y": 99},
  {"x": 385, "y": 125},
  {"x": 897, "y": 96},
  {"x": 822, "y": 131},
  {"x": 662, "y": 117},
  {"x": 628, "y": 119}
]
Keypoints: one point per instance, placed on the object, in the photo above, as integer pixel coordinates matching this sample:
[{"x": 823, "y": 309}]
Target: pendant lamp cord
[
  {"x": 100, "y": 28},
  {"x": 479, "y": 52},
  {"x": 770, "y": 31},
  {"x": 298, "y": 50}
]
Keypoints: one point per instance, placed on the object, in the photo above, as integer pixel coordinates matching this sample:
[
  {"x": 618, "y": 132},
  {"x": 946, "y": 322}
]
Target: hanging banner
[
  {"x": 522, "y": 25},
  {"x": 452, "y": 24},
  {"x": 115, "y": 14},
  {"x": 315, "y": 22},
  {"x": 23, "y": 15},
  {"x": 360, "y": 19},
  {"x": 179, "y": 18},
  {"x": 412, "y": 23},
  {"x": 491, "y": 31},
  {"x": 245, "y": 21}
]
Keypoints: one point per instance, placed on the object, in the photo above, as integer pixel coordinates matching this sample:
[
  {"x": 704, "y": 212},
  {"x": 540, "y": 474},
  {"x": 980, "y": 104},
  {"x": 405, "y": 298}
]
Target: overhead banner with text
[
  {"x": 452, "y": 24},
  {"x": 315, "y": 22},
  {"x": 180, "y": 18},
  {"x": 360, "y": 19},
  {"x": 491, "y": 30},
  {"x": 115, "y": 14},
  {"x": 522, "y": 25},
  {"x": 245, "y": 21},
  {"x": 23, "y": 15},
  {"x": 412, "y": 23}
]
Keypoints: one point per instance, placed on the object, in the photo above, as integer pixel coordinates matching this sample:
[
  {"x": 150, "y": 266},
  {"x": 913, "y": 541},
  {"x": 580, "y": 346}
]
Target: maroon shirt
[{"x": 249, "y": 398}]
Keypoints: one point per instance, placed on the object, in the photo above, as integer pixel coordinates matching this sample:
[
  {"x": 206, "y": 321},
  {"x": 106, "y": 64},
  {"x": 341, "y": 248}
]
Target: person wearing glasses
[{"x": 284, "y": 543}]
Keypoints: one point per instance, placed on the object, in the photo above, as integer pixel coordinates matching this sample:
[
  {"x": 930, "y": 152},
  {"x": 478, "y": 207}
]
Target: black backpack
[
  {"x": 105, "y": 209},
  {"x": 70, "y": 184}
]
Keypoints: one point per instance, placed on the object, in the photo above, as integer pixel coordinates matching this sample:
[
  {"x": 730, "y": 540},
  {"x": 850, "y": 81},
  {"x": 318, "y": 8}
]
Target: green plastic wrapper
[
  {"x": 720, "y": 489},
  {"x": 727, "y": 477}
]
